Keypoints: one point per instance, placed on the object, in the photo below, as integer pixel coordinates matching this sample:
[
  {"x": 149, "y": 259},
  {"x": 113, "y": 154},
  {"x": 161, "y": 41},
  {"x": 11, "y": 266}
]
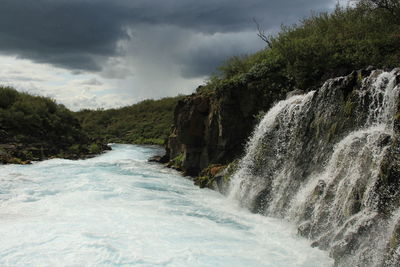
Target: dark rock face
[
  {"x": 211, "y": 128},
  {"x": 158, "y": 159}
]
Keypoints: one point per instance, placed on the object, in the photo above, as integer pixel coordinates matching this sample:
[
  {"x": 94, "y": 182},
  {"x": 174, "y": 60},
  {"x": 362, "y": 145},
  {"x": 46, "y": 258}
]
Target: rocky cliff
[
  {"x": 327, "y": 160},
  {"x": 212, "y": 127}
]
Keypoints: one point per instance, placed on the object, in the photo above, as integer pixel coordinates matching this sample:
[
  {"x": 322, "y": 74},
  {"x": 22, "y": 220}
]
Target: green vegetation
[
  {"x": 147, "y": 122},
  {"x": 35, "y": 127},
  {"x": 27, "y": 118},
  {"x": 177, "y": 161},
  {"x": 322, "y": 46},
  {"x": 303, "y": 56}
]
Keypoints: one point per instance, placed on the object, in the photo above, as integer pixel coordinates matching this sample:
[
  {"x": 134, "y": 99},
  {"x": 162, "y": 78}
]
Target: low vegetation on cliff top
[
  {"x": 303, "y": 56},
  {"x": 147, "y": 122},
  {"x": 319, "y": 47}
]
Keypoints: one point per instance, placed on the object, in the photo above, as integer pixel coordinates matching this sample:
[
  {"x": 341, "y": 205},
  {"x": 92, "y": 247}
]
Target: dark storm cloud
[
  {"x": 64, "y": 33},
  {"x": 82, "y": 34},
  {"x": 204, "y": 57}
]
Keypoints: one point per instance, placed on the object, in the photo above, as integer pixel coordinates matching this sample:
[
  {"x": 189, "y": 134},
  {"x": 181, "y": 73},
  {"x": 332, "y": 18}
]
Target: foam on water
[
  {"x": 294, "y": 168},
  {"x": 119, "y": 210}
]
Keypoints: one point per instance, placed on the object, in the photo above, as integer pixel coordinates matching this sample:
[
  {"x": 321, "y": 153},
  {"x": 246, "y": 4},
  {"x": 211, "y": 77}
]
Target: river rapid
[{"x": 119, "y": 210}]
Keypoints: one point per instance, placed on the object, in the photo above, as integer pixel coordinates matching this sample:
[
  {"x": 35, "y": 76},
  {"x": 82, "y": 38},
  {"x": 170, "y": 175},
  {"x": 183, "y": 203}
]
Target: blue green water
[{"x": 119, "y": 210}]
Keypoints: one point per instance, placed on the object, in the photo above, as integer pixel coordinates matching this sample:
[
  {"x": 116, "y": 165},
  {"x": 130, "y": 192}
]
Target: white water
[
  {"x": 336, "y": 204},
  {"x": 119, "y": 210},
  {"x": 244, "y": 185}
]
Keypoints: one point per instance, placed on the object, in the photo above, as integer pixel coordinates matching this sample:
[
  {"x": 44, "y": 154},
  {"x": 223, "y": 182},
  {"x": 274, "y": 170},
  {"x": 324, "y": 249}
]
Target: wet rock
[
  {"x": 294, "y": 92},
  {"x": 319, "y": 189},
  {"x": 158, "y": 159},
  {"x": 155, "y": 159},
  {"x": 212, "y": 128},
  {"x": 304, "y": 228},
  {"x": 392, "y": 258}
]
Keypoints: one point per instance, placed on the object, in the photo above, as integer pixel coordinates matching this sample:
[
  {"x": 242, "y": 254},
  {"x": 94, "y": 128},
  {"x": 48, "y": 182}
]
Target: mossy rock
[
  {"x": 176, "y": 163},
  {"x": 392, "y": 246},
  {"x": 348, "y": 107},
  {"x": 230, "y": 170},
  {"x": 15, "y": 161},
  {"x": 203, "y": 181}
]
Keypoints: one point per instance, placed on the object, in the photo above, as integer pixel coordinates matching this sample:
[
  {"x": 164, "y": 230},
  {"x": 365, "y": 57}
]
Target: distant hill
[
  {"x": 147, "y": 122},
  {"x": 36, "y": 128}
]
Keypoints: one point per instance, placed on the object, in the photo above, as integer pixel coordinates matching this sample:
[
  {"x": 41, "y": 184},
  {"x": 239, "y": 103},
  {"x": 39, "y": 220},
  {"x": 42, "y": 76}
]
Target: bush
[
  {"x": 7, "y": 97},
  {"x": 322, "y": 46},
  {"x": 147, "y": 122},
  {"x": 38, "y": 121},
  {"x": 94, "y": 148}
]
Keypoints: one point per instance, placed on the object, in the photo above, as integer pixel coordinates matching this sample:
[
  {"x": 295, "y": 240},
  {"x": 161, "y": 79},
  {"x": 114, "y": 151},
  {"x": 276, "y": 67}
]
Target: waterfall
[
  {"x": 319, "y": 160},
  {"x": 248, "y": 182}
]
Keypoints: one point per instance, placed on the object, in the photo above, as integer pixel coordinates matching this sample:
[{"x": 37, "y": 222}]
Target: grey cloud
[
  {"x": 69, "y": 34},
  {"x": 25, "y": 79},
  {"x": 17, "y": 76},
  {"x": 81, "y": 34},
  {"x": 92, "y": 81},
  {"x": 206, "y": 54}
]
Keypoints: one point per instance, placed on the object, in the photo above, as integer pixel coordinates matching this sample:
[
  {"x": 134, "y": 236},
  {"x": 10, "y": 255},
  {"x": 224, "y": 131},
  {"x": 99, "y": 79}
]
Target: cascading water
[
  {"x": 250, "y": 180},
  {"x": 321, "y": 160}
]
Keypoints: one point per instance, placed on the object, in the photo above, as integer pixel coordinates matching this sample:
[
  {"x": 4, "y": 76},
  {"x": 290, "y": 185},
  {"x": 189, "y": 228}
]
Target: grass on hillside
[
  {"x": 319, "y": 47},
  {"x": 147, "y": 122}
]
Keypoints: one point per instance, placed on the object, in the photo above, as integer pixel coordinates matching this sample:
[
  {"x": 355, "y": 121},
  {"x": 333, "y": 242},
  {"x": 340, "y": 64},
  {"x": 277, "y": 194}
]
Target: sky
[{"x": 112, "y": 53}]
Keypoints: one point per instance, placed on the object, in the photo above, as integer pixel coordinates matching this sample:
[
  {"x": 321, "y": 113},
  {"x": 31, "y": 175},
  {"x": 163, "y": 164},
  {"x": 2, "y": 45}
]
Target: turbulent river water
[{"x": 119, "y": 210}]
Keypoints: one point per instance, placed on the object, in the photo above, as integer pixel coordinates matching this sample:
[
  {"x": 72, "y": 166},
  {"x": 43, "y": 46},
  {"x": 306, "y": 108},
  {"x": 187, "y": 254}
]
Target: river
[{"x": 119, "y": 210}]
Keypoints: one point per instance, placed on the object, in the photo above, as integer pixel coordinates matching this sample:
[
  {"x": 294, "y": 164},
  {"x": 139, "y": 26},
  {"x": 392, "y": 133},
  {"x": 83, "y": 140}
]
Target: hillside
[
  {"x": 36, "y": 128},
  {"x": 147, "y": 122},
  {"x": 212, "y": 126}
]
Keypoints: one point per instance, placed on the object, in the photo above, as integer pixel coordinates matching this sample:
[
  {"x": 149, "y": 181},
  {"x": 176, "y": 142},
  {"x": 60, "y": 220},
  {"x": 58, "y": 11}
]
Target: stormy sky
[{"x": 110, "y": 53}]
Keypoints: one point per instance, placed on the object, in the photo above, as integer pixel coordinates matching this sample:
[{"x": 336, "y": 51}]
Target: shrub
[
  {"x": 147, "y": 122},
  {"x": 319, "y": 47}
]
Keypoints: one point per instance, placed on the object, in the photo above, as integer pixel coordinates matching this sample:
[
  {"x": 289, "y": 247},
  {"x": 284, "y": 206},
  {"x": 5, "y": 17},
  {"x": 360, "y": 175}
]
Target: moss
[
  {"x": 204, "y": 181},
  {"x": 316, "y": 125},
  {"x": 394, "y": 241},
  {"x": 211, "y": 171},
  {"x": 210, "y": 175},
  {"x": 332, "y": 131},
  {"x": 384, "y": 170},
  {"x": 348, "y": 108},
  {"x": 15, "y": 161},
  {"x": 260, "y": 115},
  {"x": 230, "y": 170},
  {"x": 397, "y": 116},
  {"x": 177, "y": 161},
  {"x": 392, "y": 245},
  {"x": 359, "y": 79},
  {"x": 145, "y": 141}
]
